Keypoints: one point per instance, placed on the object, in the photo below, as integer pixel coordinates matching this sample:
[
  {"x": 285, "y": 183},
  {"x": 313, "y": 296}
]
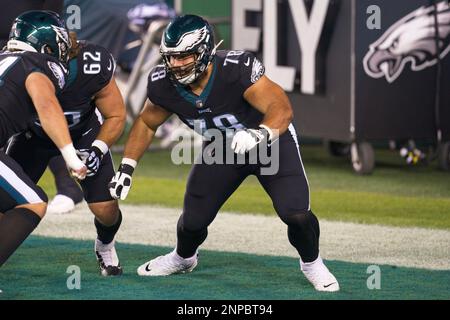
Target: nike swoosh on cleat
[
  {"x": 326, "y": 286},
  {"x": 146, "y": 267}
]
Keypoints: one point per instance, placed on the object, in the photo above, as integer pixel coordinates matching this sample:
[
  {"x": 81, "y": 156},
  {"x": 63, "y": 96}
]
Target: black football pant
[{"x": 210, "y": 185}]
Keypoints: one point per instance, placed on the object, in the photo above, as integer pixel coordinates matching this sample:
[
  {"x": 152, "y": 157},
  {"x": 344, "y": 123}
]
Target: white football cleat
[
  {"x": 168, "y": 264},
  {"x": 60, "y": 204},
  {"x": 107, "y": 258},
  {"x": 319, "y": 275}
]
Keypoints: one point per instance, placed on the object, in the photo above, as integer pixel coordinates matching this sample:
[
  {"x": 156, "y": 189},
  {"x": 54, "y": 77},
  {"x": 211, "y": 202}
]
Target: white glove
[
  {"x": 245, "y": 140},
  {"x": 75, "y": 165},
  {"x": 121, "y": 183}
]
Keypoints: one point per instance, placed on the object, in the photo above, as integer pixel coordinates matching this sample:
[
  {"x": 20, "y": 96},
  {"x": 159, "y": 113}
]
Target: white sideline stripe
[
  {"x": 29, "y": 194},
  {"x": 266, "y": 235},
  {"x": 294, "y": 136}
]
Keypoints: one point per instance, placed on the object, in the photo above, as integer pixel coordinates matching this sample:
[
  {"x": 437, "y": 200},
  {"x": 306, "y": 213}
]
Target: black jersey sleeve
[
  {"x": 52, "y": 68},
  {"x": 98, "y": 65},
  {"x": 157, "y": 86},
  {"x": 251, "y": 70}
]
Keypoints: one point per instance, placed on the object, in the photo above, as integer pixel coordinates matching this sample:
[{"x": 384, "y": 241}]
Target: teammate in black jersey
[
  {"x": 68, "y": 191},
  {"x": 96, "y": 115},
  {"x": 31, "y": 74},
  {"x": 223, "y": 91}
]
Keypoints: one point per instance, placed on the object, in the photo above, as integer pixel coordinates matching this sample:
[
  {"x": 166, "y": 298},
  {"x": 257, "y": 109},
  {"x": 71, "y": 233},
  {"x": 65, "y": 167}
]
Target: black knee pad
[
  {"x": 200, "y": 233},
  {"x": 303, "y": 234},
  {"x": 303, "y": 220},
  {"x": 106, "y": 234}
]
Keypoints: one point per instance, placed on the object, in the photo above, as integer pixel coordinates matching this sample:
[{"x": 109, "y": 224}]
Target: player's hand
[
  {"x": 92, "y": 158},
  {"x": 245, "y": 140},
  {"x": 121, "y": 183},
  {"x": 74, "y": 164},
  {"x": 79, "y": 173}
]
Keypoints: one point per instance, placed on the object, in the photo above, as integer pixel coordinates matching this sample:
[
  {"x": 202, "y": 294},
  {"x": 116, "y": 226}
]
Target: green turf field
[
  {"x": 220, "y": 275},
  {"x": 395, "y": 194}
]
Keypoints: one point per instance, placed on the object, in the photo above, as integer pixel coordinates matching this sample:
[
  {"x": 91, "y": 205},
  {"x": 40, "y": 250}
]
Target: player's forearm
[
  {"x": 55, "y": 126},
  {"x": 270, "y": 99},
  {"x": 53, "y": 121},
  {"x": 111, "y": 130},
  {"x": 110, "y": 104},
  {"x": 51, "y": 117},
  {"x": 140, "y": 137},
  {"x": 278, "y": 117}
]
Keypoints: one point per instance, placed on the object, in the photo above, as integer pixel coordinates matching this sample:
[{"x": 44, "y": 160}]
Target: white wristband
[
  {"x": 101, "y": 145},
  {"x": 271, "y": 137},
  {"x": 129, "y": 162},
  {"x": 70, "y": 157}
]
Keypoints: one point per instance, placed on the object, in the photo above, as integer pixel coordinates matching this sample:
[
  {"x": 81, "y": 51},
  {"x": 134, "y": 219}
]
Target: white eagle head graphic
[{"x": 411, "y": 39}]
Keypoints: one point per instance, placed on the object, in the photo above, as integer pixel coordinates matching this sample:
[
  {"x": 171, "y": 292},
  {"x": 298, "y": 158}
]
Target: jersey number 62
[{"x": 94, "y": 66}]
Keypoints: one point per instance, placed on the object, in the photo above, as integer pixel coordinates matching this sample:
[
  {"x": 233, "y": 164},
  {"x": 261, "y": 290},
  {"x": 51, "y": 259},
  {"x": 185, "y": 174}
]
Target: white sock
[
  {"x": 177, "y": 256},
  {"x": 312, "y": 264}
]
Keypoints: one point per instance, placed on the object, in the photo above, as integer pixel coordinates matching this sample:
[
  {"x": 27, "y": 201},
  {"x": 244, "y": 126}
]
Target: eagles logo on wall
[{"x": 411, "y": 39}]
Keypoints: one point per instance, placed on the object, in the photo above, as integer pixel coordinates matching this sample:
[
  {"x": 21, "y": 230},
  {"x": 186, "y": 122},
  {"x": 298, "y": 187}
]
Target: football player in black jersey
[
  {"x": 31, "y": 74},
  {"x": 95, "y": 112},
  {"x": 223, "y": 90}
]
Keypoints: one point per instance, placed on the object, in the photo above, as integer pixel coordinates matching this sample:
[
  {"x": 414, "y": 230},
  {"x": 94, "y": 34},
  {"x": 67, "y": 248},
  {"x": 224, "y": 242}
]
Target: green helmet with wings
[
  {"x": 186, "y": 35},
  {"x": 40, "y": 31}
]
